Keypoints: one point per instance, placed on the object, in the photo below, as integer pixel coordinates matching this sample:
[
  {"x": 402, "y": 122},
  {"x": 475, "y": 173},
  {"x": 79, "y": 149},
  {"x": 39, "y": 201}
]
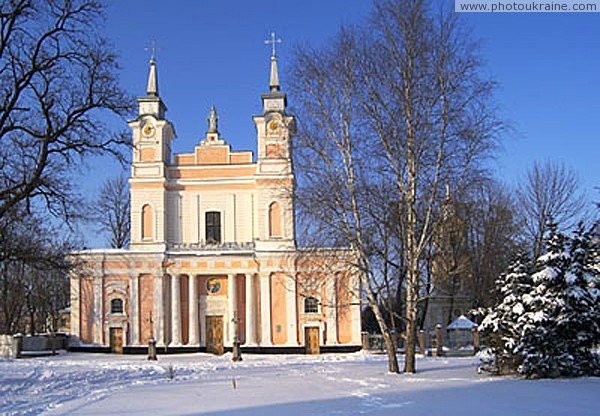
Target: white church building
[{"x": 213, "y": 255}]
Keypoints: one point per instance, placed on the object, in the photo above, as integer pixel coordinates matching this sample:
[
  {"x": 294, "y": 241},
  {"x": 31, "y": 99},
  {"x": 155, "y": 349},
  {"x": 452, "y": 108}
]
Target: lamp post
[
  {"x": 237, "y": 351},
  {"x": 151, "y": 341}
]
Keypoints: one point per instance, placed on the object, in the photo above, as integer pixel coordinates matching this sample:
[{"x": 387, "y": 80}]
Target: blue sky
[{"x": 213, "y": 52}]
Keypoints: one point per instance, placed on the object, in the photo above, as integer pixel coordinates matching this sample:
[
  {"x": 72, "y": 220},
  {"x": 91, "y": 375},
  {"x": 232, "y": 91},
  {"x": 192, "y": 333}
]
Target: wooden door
[
  {"x": 311, "y": 340},
  {"x": 214, "y": 334},
  {"x": 116, "y": 340}
]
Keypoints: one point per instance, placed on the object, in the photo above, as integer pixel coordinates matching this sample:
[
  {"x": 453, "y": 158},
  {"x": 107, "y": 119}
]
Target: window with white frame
[
  {"x": 116, "y": 306},
  {"x": 311, "y": 305}
]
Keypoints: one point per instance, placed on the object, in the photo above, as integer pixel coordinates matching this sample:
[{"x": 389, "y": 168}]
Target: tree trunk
[
  {"x": 389, "y": 345},
  {"x": 411, "y": 323}
]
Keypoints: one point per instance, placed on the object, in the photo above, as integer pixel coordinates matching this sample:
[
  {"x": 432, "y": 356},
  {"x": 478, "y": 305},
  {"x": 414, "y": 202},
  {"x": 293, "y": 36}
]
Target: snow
[
  {"x": 336, "y": 384},
  {"x": 462, "y": 322}
]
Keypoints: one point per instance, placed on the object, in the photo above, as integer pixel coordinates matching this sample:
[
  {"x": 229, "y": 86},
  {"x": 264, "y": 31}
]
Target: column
[
  {"x": 193, "y": 302},
  {"x": 331, "y": 305},
  {"x": 75, "y": 328},
  {"x": 159, "y": 313},
  {"x": 355, "y": 308},
  {"x": 292, "y": 335},
  {"x": 98, "y": 310},
  {"x": 265, "y": 309},
  {"x": 134, "y": 310},
  {"x": 175, "y": 311},
  {"x": 250, "y": 311},
  {"x": 232, "y": 306}
]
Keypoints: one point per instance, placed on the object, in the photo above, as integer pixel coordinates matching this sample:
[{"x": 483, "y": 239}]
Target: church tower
[
  {"x": 152, "y": 136},
  {"x": 274, "y": 177}
]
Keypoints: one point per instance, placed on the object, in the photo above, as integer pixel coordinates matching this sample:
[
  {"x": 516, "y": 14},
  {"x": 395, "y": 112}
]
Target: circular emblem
[
  {"x": 273, "y": 125},
  {"x": 148, "y": 130},
  {"x": 213, "y": 285}
]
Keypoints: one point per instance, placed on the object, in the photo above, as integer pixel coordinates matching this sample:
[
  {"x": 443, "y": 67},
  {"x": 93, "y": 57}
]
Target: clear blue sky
[{"x": 213, "y": 52}]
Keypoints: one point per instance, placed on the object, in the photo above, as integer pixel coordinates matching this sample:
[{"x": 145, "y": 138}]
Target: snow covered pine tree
[
  {"x": 550, "y": 329},
  {"x": 500, "y": 328}
]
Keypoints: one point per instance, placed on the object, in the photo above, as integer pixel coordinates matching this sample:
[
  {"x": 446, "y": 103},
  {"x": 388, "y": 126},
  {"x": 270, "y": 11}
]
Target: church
[{"x": 213, "y": 258}]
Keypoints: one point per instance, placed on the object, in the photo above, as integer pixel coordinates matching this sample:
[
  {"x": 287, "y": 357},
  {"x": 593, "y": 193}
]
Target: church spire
[
  {"x": 152, "y": 87},
  {"x": 274, "y": 76},
  {"x": 151, "y": 103}
]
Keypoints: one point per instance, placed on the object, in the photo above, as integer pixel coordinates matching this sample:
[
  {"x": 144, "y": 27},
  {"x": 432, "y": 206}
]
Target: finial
[
  {"x": 152, "y": 86},
  {"x": 274, "y": 77},
  {"x": 273, "y": 41},
  {"x": 213, "y": 120},
  {"x": 152, "y": 49}
]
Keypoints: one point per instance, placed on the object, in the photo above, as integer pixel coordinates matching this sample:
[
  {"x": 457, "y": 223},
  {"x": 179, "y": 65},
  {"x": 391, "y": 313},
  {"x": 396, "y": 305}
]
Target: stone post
[
  {"x": 152, "y": 349},
  {"x": 475, "y": 340},
  {"x": 422, "y": 342},
  {"x": 365, "y": 340},
  {"x": 17, "y": 345},
  {"x": 438, "y": 341}
]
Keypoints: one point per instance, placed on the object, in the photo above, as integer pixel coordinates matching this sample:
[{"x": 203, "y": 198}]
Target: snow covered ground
[{"x": 348, "y": 384}]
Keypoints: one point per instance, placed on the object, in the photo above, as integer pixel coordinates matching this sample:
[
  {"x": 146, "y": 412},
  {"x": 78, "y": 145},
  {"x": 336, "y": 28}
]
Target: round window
[{"x": 213, "y": 285}]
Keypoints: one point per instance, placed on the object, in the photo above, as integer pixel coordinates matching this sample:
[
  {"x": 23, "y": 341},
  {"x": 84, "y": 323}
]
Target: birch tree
[{"x": 400, "y": 101}]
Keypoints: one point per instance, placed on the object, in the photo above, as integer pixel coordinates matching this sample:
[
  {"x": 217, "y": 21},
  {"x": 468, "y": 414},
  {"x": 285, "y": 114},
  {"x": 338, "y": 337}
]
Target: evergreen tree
[
  {"x": 548, "y": 324},
  {"x": 563, "y": 324},
  {"x": 541, "y": 344},
  {"x": 501, "y": 327}
]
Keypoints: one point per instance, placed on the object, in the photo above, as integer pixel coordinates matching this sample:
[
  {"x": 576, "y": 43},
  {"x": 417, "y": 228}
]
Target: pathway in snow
[{"x": 349, "y": 384}]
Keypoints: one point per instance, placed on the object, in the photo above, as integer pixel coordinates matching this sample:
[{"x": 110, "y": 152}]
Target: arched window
[
  {"x": 213, "y": 227},
  {"x": 116, "y": 306},
  {"x": 275, "y": 229},
  {"x": 147, "y": 223},
  {"x": 311, "y": 305}
]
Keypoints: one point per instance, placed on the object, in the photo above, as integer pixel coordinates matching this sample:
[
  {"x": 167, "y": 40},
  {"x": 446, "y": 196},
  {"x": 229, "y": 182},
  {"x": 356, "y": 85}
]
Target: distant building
[{"x": 213, "y": 253}]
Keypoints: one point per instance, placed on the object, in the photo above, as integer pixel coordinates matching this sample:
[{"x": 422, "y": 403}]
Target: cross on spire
[
  {"x": 152, "y": 49},
  {"x": 273, "y": 41}
]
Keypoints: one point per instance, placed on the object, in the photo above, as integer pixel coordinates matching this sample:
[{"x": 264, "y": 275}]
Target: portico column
[
  {"x": 331, "y": 308},
  {"x": 265, "y": 309},
  {"x": 158, "y": 318},
  {"x": 232, "y": 306},
  {"x": 134, "y": 310},
  {"x": 250, "y": 322},
  {"x": 99, "y": 310},
  {"x": 175, "y": 311},
  {"x": 75, "y": 307},
  {"x": 193, "y": 296},
  {"x": 292, "y": 335}
]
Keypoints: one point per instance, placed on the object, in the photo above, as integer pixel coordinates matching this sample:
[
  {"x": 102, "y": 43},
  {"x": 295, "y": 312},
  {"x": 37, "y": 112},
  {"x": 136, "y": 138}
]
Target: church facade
[{"x": 213, "y": 256}]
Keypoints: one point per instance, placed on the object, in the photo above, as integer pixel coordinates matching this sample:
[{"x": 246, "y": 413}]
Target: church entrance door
[
  {"x": 214, "y": 334},
  {"x": 311, "y": 340},
  {"x": 116, "y": 340}
]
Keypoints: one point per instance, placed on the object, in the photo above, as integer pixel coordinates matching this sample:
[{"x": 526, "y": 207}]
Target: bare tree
[
  {"x": 402, "y": 102},
  {"x": 549, "y": 193},
  {"x": 34, "y": 281},
  {"x": 112, "y": 211},
  {"x": 59, "y": 89}
]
